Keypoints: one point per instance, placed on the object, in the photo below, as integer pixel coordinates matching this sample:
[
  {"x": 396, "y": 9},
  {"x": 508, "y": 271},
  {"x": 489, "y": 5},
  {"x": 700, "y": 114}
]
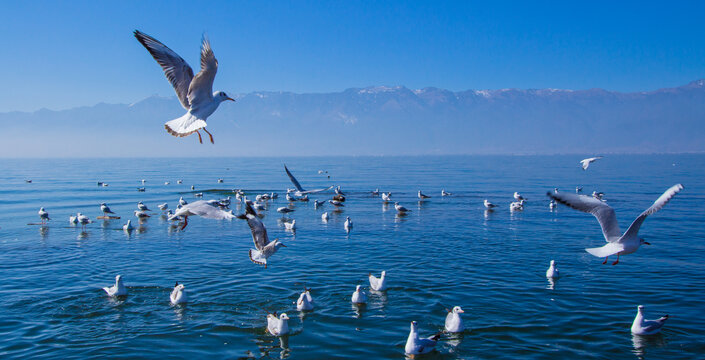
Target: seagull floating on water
[
  {"x": 552, "y": 272},
  {"x": 317, "y": 204},
  {"x": 585, "y": 163},
  {"x": 415, "y": 345},
  {"x": 178, "y": 295},
  {"x": 290, "y": 225},
  {"x": 263, "y": 248},
  {"x": 182, "y": 202},
  {"x": 43, "y": 215},
  {"x": 518, "y": 196},
  {"x": 400, "y": 208},
  {"x": 203, "y": 209},
  {"x": 336, "y": 203},
  {"x": 359, "y": 296},
  {"x": 517, "y": 206},
  {"x": 278, "y": 326},
  {"x": 617, "y": 243},
  {"x": 387, "y": 196},
  {"x": 422, "y": 195},
  {"x": 305, "y": 301},
  {"x": 194, "y": 92},
  {"x": 324, "y": 216},
  {"x": 378, "y": 284},
  {"x": 127, "y": 227},
  {"x": 73, "y": 219},
  {"x": 142, "y": 207},
  {"x": 489, "y": 205},
  {"x": 444, "y": 193},
  {"x": 141, "y": 214},
  {"x": 163, "y": 207},
  {"x": 454, "y": 323},
  {"x": 284, "y": 210},
  {"x": 641, "y": 326},
  {"x": 105, "y": 209},
  {"x": 118, "y": 289},
  {"x": 348, "y": 224},
  {"x": 83, "y": 220}
]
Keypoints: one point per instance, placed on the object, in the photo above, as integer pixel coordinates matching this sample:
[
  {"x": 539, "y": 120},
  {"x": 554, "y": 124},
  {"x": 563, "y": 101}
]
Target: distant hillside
[{"x": 378, "y": 121}]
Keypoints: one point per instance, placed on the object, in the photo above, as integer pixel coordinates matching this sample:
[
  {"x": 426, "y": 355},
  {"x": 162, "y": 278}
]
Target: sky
[{"x": 61, "y": 55}]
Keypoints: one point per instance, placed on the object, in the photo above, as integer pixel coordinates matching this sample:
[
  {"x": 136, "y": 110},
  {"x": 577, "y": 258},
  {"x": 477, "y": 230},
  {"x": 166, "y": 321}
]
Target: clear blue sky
[{"x": 60, "y": 55}]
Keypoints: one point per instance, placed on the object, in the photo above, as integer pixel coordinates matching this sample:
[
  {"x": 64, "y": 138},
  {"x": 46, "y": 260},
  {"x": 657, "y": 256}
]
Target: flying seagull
[
  {"x": 264, "y": 248},
  {"x": 194, "y": 92},
  {"x": 201, "y": 208},
  {"x": 299, "y": 190},
  {"x": 617, "y": 243},
  {"x": 585, "y": 163}
]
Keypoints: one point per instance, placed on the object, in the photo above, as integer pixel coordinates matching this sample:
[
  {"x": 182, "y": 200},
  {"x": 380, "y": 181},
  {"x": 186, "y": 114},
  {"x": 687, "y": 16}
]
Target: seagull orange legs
[
  {"x": 614, "y": 263},
  {"x": 209, "y": 134},
  {"x": 199, "y": 137},
  {"x": 200, "y": 140}
]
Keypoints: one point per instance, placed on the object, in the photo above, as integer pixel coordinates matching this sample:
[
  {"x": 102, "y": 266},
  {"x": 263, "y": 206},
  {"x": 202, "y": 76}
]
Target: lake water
[{"x": 446, "y": 252}]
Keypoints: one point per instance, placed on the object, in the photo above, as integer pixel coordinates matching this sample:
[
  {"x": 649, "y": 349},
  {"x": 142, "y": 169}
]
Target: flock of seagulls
[{"x": 618, "y": 243}]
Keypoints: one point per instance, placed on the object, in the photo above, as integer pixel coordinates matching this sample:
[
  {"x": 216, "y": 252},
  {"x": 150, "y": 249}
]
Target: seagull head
[
  {"x": 642, "y": 241},
  {"x": 414, "y": 325},
  {"x": 357, "y": 288},
  {"x": 222, "y": 96},
  {"x": 283, "y": 316},
  {"x": 118, "y": 278},
  {"x": 384, "y": 273},
  {"x": 553, "y": 262},
  {"x": 278, "y": 244},
  {"x": 458, "y": 310},
  {"x": 640, "y": 308}
]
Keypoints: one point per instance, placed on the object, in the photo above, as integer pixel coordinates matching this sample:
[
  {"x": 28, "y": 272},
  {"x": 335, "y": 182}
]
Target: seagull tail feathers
[
  {"x": 185, "y": 125},
  {"x": 607, "y": 250}
]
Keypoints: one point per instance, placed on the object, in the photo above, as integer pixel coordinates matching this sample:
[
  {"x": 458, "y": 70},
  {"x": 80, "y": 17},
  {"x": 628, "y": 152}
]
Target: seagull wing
[
  {"x": 200, "y": 91},
  {"x": 658, "y": 204},
  {"x": 259, "y": 232},
  {"x": 316, "y": 190},
  {"x": 203, "y": 209},
  {"x": 177, "y": 71},
  {"x": 604, "y": 213},
  {"x": 293, "y": 180}
]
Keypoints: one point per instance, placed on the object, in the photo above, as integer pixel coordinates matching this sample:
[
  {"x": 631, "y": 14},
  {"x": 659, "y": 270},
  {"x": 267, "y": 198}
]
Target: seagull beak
[
  {"x": 461, "y": 311},
  {"x": 647, "y": 243},
  {"x": 231, "y": 99}
]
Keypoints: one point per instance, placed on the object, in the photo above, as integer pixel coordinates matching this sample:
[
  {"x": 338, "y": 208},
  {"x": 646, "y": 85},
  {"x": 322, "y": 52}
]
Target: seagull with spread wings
[
  {"x": 617, "y": 243},
  {"x": 264, "y": 248},
  {"x": 194, "y": 92},
  {"x": 300, "y": 190}
]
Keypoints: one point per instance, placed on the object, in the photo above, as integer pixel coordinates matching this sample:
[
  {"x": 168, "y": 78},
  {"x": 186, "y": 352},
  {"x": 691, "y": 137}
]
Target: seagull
[
  {"x": 415, "y": 346},
  {"x": 264, "y": 248},
  {"x": 166, "y": 183},
  {"x": 141, "y": 214},
  {"x": 552, "y": 272},
  {"x": 400, "y": 208},
  {"x": 182, "y": 202},
  {"x": 641, "y": 326},
  {"x": 118, "y": 289},
  {"x": 284, "y": 210},
  {"x": 139, "y": 189},
  {"x": 43, "y": 215},
  {"x": 317, "y": 204},
  {"x": 585, "y": 163},
  {"x": 422, "y": 195},
  {"x": 28, "y": 181},
  {"x": 348, "y": 224},
  {"x": 454, "y": 323},
  {"x": 489, "y": 205},
  {"x": 194, "y": 92},
  {"x": 83, "y": 220},
  {"x": 179, "y": 181},
  {"x": 359, "y": 296},
  {"x": 193, "y": 187},
  {"x": 299, "y": 190},
  {"x": 375, "y": 192},
  {"x": 617, "y": 243},
  {"x": 198, "y": 194},
  {"x": 378, "y": 284},
  {"x": 258, "y": 206},
  {"x": 163, "y": 207},
  {"x": 127, "y": 227},
  {"x": 324, "y": 216},
  {"x": 387, "y": 196},
  {"x": 143, "y": 181},
  {"x": 278, "y": 326},
  {"x": 178, "y": 295},
  {"x": 578, "y": 189},
  {"x": 220, "y": 181},
  {"x": 444, "y": 193},
  {"x": 142, "y": 207},
  {"x": 305, "y": 301},
  {"x": 517, "y": 206},
  {"x": 290, "y": 225},
  {"x": 598, "y": 195},
  {"x": 73, "y": 219},
  {"x": 552, "y": 204},
  {"x": 105, "y": 209},
  {"x": 518, "y": 196},
  {"x": 203, "y": 209},
  {"x": 336, "y": 202}
]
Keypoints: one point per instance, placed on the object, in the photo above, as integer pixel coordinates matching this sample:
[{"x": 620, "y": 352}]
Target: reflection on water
[{"x": 642, "y": 342}]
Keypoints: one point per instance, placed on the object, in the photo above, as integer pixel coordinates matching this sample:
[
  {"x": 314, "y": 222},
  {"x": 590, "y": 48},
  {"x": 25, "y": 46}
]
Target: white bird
[
  {"x": 300, "y": 190},
  {"x": 182, "y": 202},
  {"x": 140, "y": 189},
  {"x": 166, "y": 183},
  {"x": 578, "y": 189},
  {"x": 278, "y": 326},
  {"x": 263, "y": 248},
  {"x": 290, "y": 225},
  {"x": 305, "y": 301},
  {"x": 641, "y": 326},
  {"x": 284, "y": 210},
  {"x": 289, "y": 197},
  {"x": 454, "y": 323},
  {"x": 617, "y": 243},
  {"x": 198, "y": 194},
  {"x": 517, "y": 206},
  {"x": 141, "y": 214},
  {"x": 552, "y": 272},
  {"x": 178, "y": 295},
  {"x": 203, "y": 209},
  {"x": 83, "y": 220},
  {"x": 43, "y": 215},
  {"x": 220, "y": 181},
  {"x": 598, "y": 195},
  {"x": 585, "y": 163},
  {"x": 348, "y": 224},
  {"x": 400, "y": 208},
  {"x": 324, "y": 216},
  {"x": 359, "y": 296},
  {"x": 387, "y": 196},
  {"x": 127, "y": 227},
  {"x": 258, "y": 206},
  {"x": 336, "y": 203},
  {"x": 118, "y": 289},
  {"x": 518, "y": 196},
  {"x": 179, "y": 181},
  {"x": 317, "y": 204},
  {"x": 552, "y": 204},
  {"x": 163, "y": 207},
  {"x": 378, "y": 284},
  {"x": 194, "y": 92},
  {"x": 142, "y": 207},
  {"x": 73, "y": 219},
  {"x": 489, "y": 205},
  {"x": 422, "y": 195},
  {"x": 444, "y": 193},
  {"x": 415, "y": 346},
  {"x": 105, "y": 209},
  {"x": 375, "y": 192},
  {"x": 193, "y": 187},
  {"x": 143, "y": 181}
]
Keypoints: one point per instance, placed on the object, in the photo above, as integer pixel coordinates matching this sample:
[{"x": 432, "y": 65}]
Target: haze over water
[{"x": 446, "y": 252}]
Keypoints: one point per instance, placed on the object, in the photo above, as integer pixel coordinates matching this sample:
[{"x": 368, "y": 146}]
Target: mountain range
[{"x": 377, "y": 121}]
